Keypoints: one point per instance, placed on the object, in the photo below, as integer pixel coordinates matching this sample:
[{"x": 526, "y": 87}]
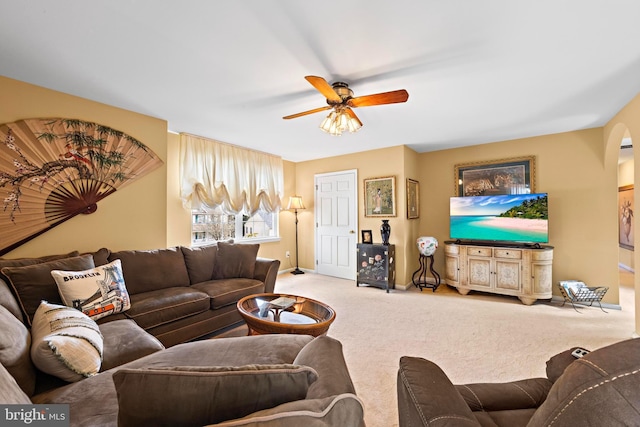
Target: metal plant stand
[{"x": 419, "y": 277}]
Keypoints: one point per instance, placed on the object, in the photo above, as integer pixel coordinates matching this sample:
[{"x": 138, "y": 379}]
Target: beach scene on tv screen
[{"x": 517, "y": 218}]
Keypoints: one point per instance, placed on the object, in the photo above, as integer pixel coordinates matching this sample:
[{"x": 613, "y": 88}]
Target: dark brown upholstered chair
[{"x": 600, "y": 389}]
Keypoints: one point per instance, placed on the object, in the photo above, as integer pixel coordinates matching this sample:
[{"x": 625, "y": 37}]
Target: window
[
  {"x": 208, "y": 226},
  {"x": 246, "y": 184}
]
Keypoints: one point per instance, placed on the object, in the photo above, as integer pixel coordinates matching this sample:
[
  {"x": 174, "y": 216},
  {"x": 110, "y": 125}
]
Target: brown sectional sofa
[{"x": 178, "y": 294}]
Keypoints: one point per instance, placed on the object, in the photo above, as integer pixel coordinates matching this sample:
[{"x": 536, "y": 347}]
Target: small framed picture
[
  {"x": 625, "y": 216},
  {"x": 367, "y": 237},
  {"x": 413, "y": 199}
]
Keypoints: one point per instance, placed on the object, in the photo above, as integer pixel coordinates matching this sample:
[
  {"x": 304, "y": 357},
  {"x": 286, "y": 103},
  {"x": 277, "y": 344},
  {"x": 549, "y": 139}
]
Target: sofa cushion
[
  {"x": 15, "y": 343},
  {"x": 125, "y": 341},
  {"x": 66, "y": 343},
  {"x": 189, "y": 396},
  {"x": 154, "y": 308},
  {"x": 236, "y": 260},
  {"x": 8, "y": 297},
  {"x": 200, "y": 262},
  {"x": 9, "y": 301},
  {"x": 151, "y": 270},
  {"x": 344, "y": 410},
  {"x": 229, "y": 291},
  {"x": 34, "y": 283},
  {"x": 22, "y": 262},
  {"x": 599, "y": 389},
  {"x": 236, "y": 351},
  {"x": 97, "y": 292},
  {"x": 10, "y": 391},
  {"x": 101, "y": 256}
]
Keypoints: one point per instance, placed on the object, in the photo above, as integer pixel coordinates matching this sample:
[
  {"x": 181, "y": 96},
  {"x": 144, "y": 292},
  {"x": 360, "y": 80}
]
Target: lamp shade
[{"x": 295, "y": 202}]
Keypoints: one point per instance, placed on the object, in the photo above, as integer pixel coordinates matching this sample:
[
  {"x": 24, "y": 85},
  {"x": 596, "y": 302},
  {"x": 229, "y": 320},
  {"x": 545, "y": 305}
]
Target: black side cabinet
[{"x": 376, "y": 265}]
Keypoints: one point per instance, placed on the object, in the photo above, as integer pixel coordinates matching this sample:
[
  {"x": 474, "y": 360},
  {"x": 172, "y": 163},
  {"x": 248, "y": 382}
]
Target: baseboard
[
  {"x": 411, "y": 285},
  {"x": 403, "y": 287}
]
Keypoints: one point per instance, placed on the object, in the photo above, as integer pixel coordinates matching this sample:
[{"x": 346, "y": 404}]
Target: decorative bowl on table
[{"x": 427, "y": 245}]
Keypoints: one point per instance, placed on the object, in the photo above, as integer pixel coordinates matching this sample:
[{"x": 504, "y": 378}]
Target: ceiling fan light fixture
[
  {"x": 354, "y": 125},
  {"x": 339, "y": 121},
  {"x": 326, "y": 123}
]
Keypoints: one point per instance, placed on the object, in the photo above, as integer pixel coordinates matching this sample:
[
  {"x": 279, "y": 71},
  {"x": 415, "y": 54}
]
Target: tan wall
[
  {"x": 133, "y": 217},
  {"x": 369, "y": 164},
  {"x": 400, "y": 162},
  {"x": 582, "y": 200},
  {"x": 410, "y": 262}
]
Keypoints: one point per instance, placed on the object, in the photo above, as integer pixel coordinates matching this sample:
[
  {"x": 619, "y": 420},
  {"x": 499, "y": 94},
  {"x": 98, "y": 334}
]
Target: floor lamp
[{"x": 295, "y": 203}]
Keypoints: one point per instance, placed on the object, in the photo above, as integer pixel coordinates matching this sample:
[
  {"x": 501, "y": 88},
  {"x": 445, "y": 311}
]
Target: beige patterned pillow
[
  {"x": 97, "y": 292},
  {"x": 66, "y": 343}
]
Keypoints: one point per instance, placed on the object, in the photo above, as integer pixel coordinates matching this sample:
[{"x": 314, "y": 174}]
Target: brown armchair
[{"x": 602, "y": 388}]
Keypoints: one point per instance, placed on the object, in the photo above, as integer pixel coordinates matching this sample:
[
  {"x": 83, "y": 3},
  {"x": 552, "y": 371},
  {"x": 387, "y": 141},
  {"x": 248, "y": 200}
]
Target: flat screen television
[{"x": 519, "y": 218}]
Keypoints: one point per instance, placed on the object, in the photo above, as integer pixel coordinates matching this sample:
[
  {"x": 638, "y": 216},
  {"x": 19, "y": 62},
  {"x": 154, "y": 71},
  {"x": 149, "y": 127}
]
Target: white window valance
[{"x": 237, "y": 179}]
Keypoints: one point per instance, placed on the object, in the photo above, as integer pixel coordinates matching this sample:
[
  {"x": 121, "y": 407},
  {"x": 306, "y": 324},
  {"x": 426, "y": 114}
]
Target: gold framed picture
[
  {"x": 413, "y": 199},
  {"x": 380, "y": 196}
]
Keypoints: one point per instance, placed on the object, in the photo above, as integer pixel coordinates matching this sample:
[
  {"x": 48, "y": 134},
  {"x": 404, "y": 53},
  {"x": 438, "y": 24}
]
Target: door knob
[{"x": 352, "y": 232}]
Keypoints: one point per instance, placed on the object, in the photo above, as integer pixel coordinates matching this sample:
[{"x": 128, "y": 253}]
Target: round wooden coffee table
[{"x": 285, "y": 314}]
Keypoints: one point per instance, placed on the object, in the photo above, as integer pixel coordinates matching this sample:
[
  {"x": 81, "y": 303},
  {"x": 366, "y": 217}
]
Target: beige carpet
[{"x": 474, "y": 338}]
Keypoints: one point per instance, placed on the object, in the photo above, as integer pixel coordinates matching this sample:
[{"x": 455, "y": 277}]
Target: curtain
[{"x": 236, "y": 179}]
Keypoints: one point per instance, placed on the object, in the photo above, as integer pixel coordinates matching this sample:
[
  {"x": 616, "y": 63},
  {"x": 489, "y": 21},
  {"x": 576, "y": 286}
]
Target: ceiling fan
[{"x": 340, "y": 99}]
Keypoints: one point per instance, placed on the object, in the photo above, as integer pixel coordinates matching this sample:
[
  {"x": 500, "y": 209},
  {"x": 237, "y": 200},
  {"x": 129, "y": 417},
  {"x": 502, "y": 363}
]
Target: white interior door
[{"x": 336, "y": 202}]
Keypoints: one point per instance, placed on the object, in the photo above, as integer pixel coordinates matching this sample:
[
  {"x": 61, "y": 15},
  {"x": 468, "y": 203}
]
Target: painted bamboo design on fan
[{"x": 54, "y": 169}]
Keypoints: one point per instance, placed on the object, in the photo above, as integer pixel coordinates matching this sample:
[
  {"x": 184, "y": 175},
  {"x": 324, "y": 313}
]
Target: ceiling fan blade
[
  {"x": 351, "y": 114},
  {"x": 324, "y": 88},
  {"x": 392, "y": 97},
  {"x": 304, "y": 113}
]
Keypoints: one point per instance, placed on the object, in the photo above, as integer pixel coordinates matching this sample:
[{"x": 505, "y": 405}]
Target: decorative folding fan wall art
[{"x": 54, "y": 169}]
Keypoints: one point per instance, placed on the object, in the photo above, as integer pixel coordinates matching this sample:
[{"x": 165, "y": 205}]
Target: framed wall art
[
  {"x": 53, "y": 169},
  {"x": 625, "y": 217},
  {"x": 504, "y": 176},
  {"x": 380, "y": 196},
  {"x": 413, "y": 199}
]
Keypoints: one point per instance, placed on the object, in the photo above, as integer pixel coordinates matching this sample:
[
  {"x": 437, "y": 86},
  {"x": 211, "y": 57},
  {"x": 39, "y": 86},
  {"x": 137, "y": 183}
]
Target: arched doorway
[{"x": 617, "y": 136}]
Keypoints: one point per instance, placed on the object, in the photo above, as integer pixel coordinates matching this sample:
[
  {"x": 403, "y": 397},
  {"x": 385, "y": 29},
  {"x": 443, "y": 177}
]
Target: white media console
[{"x": 520, "y": 271}]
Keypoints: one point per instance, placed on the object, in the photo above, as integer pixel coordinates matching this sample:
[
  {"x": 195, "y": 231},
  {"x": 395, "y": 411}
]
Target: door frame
[{"x": 356, "y": 208}]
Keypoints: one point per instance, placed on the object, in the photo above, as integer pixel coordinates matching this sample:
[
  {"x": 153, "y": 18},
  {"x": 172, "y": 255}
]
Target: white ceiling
[{"x": 476, "y": 71}]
